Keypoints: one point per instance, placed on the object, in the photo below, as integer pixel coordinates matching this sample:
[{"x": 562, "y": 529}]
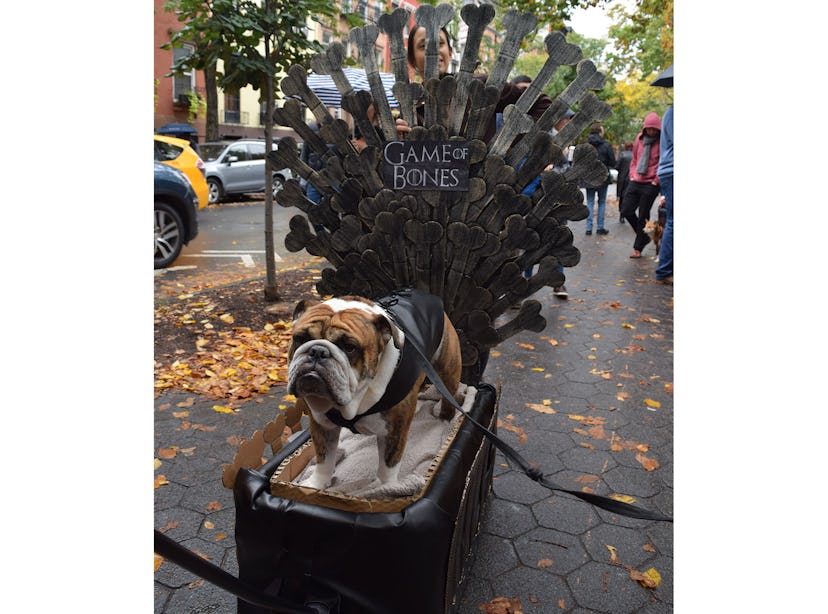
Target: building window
[
  {"x": 186, "y": 83},
  {"x": 232, "y": 108}
]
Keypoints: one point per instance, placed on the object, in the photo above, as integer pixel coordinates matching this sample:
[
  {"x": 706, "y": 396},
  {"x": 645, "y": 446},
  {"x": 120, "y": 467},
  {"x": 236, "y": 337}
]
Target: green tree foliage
[{"x": 642, "y": 38}]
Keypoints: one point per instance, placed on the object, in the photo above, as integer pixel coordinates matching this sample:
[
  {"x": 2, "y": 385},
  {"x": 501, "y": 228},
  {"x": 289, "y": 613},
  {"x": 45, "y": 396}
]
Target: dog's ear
[
  {"x": 302, "y": 306},
  {"x": 388, "y": 331}
]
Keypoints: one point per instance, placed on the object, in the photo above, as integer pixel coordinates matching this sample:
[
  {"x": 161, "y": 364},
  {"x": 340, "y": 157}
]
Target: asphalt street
[{"x": 589, "y": 401}]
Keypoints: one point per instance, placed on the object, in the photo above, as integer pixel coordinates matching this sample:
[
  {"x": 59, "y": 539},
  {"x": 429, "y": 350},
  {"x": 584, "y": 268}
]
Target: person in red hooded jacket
[{"x": 642, "y": 189}]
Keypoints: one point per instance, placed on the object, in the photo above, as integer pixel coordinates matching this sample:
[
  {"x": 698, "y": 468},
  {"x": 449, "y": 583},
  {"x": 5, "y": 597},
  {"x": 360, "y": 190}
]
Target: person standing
[
  {"x": 607, "y": 158},
  {"x": 624, "y": 158},
  {"x": 643, "y": 188},
  {"x": 664, "y": 272}
]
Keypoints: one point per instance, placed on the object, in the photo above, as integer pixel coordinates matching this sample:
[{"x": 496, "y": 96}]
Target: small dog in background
[{"x": 655, "y": 229}]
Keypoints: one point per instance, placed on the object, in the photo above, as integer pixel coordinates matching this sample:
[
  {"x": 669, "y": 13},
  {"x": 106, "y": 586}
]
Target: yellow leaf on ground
[
  {"x": 156, "y": 464},
  {"x": 186, "y": 403},
  {"x": 648, "y": 463},
  {"x": 544, "y": 409},
  {"x": 168, "y": 453},
  {"x": 622, "y": 498},
  {"x": 613, "y": 554},
  {"x": 553, "y": 342},
  {"x": 223, "y": 409},
  {"x": 544, "y": 563},
  {"x": 651, "y": 403},
  {"x": 181, "y": 414},
  {"x": 161, "y": 480},
  {"x": 625, "y": 325},
  {"x": 209, "y": 525},
  {"x": 158, "y": 560},
  {"x": 649, "y": 579},
  {"x": 227, "y": 318},
  {"x": 540, "y": 369},
  {"x": 546, "y": 402},
  {"x": 569, "y": 325},
  {"x": 526, "y": 346}
]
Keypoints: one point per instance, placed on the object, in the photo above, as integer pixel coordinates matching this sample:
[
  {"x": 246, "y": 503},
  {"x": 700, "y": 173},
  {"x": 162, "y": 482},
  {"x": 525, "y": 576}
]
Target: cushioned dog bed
[{"x": 354, "y": 485}]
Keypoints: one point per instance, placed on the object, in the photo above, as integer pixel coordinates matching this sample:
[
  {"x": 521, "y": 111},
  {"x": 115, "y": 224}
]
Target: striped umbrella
[{"x": 325, "y": 88}]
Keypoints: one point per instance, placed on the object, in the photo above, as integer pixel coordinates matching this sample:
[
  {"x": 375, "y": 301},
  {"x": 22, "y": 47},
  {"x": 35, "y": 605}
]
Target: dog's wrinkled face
[{"x": 336, "y": 347}]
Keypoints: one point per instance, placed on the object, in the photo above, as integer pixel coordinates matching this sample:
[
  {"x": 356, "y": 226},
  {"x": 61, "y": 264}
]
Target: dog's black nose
[{"x": 319, "y": 352}]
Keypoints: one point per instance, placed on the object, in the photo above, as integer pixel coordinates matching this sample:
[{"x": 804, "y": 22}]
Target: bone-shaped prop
[
  {"x": 344, "y": 239},
  {"x": 432, "y": 18},
  {"x": 441, "y": 91},
  {"x": 476, "y": 18},
  {"x": 548, "y": 275},
  {"x": 560, "y": 53},
  {"x": 423, "y": 235},
  {"x": 301, "y": 237},
  {"x": 528, "y": 318},
  {"x": 393, "y": 24},
  {"x": 295, "y": 83},
  {"x": 587, "y": 78},
  {"x": 392, "y": 224},
  {"x": 514, "y": 236},
  {"x": 514, "y": 123},
  {"x": 507, "y": 287},
  {"x": 517, "y": 26},
  {"x": 365, "y": 39},
  {"x": 372, "y": 268},
  {"x": 484, "y": 99},
  {"x": 293, "y": 195},
  {"x": 586, "y": 167},
  {"x": 464, "y": 240},
  {"x": 590, "y": 110},
  {"x": 364, "y": 164},
  {"x": 357, "y": 103},
  {"x": 291, "y": 114},
  {"x": 348, "y": 198}
]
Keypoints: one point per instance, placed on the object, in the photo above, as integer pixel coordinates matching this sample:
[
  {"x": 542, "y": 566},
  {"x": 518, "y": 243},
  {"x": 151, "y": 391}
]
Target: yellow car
[{"x": 178, "y": 153}]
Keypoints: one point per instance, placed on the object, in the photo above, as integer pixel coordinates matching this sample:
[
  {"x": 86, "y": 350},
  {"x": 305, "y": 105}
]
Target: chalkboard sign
[{"x": 426, "y": 165}]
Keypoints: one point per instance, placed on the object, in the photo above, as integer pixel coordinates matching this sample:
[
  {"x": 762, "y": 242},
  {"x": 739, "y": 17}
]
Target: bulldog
[{"x": 351, "y": 365}]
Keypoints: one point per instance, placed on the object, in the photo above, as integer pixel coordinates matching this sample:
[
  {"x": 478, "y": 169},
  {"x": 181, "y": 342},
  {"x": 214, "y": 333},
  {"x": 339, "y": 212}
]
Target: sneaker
[
  {"x": 560, "y": 292},
  {"x": 603, "y": 231},
  {"x": 588, "y": 232},
  {"x": 635, "y": 254}
]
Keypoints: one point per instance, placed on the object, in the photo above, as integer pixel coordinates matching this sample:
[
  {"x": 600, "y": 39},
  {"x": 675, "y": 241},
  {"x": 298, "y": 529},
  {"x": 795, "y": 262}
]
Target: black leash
[{"x": 611, "y": 505}]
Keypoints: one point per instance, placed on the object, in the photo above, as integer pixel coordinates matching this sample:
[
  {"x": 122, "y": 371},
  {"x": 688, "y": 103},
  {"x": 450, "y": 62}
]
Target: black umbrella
[
  {"x": 665, "y": 79},
  {"x": 176, "y": 129}
]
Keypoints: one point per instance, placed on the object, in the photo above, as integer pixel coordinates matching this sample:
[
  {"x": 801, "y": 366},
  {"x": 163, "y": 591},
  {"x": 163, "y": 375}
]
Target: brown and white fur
[
  {"x": 342, "y": 355},
  {"x": 655, "y": 229}
]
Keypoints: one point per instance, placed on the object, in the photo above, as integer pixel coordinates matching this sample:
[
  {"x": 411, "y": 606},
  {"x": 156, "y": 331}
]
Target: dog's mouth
[{"x": 310, "y": 383}]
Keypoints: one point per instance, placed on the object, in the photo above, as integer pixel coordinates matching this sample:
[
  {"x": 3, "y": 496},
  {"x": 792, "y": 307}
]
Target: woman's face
[{"x": 443, "y": 52}]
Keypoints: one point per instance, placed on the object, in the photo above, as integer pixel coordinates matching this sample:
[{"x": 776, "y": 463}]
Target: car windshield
[{"x": 211, "y": 151}]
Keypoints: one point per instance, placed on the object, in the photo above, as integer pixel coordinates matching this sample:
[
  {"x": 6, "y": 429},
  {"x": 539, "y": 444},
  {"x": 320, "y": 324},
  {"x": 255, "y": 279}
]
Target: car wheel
[
  {"x": 216, "y": 190},
  {"x": 278, "y": 184},
  {"x": 169, "y": 235}
]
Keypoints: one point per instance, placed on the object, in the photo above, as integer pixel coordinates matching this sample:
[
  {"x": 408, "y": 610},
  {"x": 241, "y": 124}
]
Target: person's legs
[
  {"x": 645, "y": 205},
  {"x": 631, "y": 204},
  {"x": 602, "y": 207},
  {"x": 590, "y": 198},
  {"x": 665, "y": 253}
]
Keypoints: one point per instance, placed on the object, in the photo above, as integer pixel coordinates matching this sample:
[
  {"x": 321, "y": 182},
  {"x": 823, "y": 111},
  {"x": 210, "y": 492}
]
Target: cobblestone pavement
[{"x": 603, "y": 365}]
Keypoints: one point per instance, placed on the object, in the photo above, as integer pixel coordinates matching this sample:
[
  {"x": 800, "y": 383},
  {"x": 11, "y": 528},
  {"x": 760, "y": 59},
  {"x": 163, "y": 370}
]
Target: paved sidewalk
[{"x": 604, "y": 365}]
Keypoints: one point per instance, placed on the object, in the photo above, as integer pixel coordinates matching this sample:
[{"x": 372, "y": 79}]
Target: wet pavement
[{"x": 589, "y": 401}]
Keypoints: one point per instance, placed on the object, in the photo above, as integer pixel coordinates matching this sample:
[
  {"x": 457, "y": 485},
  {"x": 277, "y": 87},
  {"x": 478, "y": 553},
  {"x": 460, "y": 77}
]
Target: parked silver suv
[{"x": 238, "y": 167}]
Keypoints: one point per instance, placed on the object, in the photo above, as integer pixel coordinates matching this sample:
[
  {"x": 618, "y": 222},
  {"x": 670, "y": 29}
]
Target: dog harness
[{"x": 420, "y": 316}]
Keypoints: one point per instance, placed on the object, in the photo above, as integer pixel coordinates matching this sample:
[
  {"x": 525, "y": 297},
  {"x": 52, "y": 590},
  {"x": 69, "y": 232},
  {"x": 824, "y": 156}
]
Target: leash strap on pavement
[
  {"x": 178, "y": 554},
  {"x": 611, "y": 505}
]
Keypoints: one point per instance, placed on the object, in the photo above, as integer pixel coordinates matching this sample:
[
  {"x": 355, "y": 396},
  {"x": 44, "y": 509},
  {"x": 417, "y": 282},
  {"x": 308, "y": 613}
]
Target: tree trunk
[
  {"x": 271, "y": 290},
  {"x": 211, "y": 96}
]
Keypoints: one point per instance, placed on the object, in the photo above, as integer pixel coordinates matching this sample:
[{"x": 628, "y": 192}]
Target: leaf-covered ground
[{"x": 215, "y": 335}]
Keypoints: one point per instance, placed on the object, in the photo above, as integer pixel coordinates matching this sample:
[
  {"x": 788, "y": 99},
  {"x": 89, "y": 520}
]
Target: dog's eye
[
  {"x": 300, "y": 338},
  {"x": 349, "y": 348}
]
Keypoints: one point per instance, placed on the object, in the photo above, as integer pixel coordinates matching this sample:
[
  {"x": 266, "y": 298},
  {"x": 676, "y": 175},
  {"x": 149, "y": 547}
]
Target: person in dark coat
[
  {"x": 607, "y": 156},
  {"x": 624, "y": 159}
]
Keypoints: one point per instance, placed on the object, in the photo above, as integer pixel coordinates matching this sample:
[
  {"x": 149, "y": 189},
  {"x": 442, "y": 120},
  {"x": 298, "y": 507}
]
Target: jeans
[
  {"x": 638, "y": 201},
  {"x": 601, "y": 192},
  {"x": 665, "y": 254}
]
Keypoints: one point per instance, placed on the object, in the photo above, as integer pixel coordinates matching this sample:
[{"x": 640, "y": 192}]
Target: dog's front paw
[{"x": 317, "y": 481}]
